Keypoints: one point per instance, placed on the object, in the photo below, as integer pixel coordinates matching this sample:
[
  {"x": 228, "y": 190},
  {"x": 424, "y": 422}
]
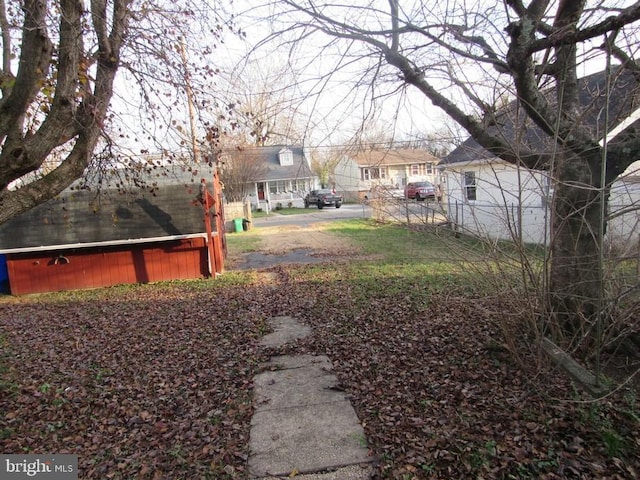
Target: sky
[
  {"x": 335, "y": 107},
  {"x": 330, "y": 106}
]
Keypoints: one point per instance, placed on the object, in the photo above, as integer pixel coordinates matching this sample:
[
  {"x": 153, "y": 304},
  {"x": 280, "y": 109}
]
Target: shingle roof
[
  {"x": 513, "y": 124},
  {"x": 81, "y": 216},
  {"x": 402, "y": 156},
  {"x": 165, "y": 206},
  {"x": 269, "y": 156}
]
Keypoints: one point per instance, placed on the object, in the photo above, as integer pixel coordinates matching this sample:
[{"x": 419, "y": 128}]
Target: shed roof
[{"x": 169, "y": 209}]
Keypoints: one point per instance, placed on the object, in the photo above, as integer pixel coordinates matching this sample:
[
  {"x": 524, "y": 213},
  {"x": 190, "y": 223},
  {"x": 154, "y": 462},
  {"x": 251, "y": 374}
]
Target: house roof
[
  {"x": 517, "y": 128},
  {"x": 388, "y": 157},
  {"x": 269, "y": 155}
]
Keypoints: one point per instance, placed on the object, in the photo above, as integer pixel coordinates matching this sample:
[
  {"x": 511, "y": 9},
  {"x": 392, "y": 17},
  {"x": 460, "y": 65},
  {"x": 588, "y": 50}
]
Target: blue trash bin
[{"x": 4, "y": 275}]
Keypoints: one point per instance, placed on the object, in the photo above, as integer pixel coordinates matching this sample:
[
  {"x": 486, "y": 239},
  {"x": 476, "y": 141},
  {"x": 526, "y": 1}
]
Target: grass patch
[
  {"x": 290, "y": 211},
  {"x": 122, "y": 291},
  {"x": 244, "y": 243},
  {"x": 435, "y": 259},
  {"x": 399, "y": 244},
  {"x": 280, "y": 211}
]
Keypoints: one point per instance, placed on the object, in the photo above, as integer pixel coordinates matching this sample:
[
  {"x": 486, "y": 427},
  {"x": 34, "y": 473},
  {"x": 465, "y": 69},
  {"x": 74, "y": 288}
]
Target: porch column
[
  {"x": 267, "y": 197},
  {"x": 255, "y": 193}
]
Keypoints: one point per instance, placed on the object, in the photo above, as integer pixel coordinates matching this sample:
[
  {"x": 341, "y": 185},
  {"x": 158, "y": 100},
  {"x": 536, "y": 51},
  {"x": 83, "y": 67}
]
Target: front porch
[{"x": 270, "y": 195}]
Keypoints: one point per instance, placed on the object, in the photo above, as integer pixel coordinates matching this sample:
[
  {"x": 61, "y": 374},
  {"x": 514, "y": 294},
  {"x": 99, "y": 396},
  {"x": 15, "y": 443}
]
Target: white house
[
  {"x": 387, "y": 168},
  {"x": 490, "y": 197},
  {"x": 487, "y": 196}
]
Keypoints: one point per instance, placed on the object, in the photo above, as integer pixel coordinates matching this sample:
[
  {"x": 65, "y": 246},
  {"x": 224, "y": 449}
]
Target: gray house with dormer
[{"x": 283, "y": 177}]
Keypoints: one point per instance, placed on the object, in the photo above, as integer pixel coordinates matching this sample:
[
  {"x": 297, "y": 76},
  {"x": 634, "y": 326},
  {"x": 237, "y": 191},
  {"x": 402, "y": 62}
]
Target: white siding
[
  {"x": 623, "y": 230},
  {"x": 347, "y": 175},
  {"x": 511, "y": 202},
  {"x": 498, "y": 183}
]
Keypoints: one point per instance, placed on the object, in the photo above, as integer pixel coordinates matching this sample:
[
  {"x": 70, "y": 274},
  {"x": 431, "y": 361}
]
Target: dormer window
[{"x": 286, "y": 157}]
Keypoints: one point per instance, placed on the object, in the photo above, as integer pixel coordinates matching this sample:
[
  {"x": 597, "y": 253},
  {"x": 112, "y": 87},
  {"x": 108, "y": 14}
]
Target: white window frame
[
  {"x": 429, "y": 168},
  {"x": 470, "y": 187}
]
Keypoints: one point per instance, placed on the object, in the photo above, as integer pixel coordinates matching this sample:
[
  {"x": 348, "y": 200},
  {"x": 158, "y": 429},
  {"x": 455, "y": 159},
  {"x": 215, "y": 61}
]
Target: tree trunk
[{"x": 576, "y": 269}]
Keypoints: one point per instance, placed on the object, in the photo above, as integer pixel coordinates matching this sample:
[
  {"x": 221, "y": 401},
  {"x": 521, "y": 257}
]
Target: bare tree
[
  {"x": 58, "y": 79},
  {"x": 470, "y": 59},
  {"x": 323, "y": 164},
  {"x": 370, "y": 136},
  {"x": 261, "y": 107},
  {"x": 239, "y": 170}
]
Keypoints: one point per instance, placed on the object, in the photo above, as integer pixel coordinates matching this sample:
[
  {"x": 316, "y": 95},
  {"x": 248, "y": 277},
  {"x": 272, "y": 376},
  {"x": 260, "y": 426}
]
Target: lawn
[
  {"x": 281, "y": 211},
  {"x": 155, "y": 381}
]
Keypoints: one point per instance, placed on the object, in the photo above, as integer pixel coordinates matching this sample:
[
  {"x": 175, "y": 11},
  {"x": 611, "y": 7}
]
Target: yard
[{"x": 155, "y": 381}]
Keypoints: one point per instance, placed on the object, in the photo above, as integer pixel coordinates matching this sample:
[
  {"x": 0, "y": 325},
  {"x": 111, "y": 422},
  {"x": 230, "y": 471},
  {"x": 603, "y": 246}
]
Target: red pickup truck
[{"x": 322, "y": 198}]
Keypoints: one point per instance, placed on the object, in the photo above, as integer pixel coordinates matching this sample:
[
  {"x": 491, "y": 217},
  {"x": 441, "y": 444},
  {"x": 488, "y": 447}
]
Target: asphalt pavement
[{"x": 314, "y": 215}]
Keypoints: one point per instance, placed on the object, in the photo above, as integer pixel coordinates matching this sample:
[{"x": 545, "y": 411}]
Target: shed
[{"x": 88, "y": 239}]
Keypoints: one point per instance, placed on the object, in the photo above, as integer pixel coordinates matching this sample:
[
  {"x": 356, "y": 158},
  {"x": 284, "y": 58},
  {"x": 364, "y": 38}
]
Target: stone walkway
[{"x": 304, "y": 424}]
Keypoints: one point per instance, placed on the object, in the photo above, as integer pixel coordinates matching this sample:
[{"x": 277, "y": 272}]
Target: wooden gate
[{"x": 214, "y": 223}]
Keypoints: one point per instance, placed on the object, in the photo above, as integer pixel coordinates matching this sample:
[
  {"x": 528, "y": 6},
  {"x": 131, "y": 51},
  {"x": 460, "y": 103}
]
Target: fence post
[
  {"x": 455, "y": 226},
  {"x": 246, "y": 210}
]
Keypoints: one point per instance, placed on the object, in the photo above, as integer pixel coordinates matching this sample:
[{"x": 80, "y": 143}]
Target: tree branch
[
  {"x": 569, "y": 37},
  {"x": 6, "y": 42},
  {"x": 35, "y": 56},
  {"x": 475, "y": 128}
]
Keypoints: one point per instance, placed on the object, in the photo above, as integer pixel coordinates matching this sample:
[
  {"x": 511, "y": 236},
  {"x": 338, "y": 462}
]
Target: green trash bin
[{"x": 237, "y": 223}]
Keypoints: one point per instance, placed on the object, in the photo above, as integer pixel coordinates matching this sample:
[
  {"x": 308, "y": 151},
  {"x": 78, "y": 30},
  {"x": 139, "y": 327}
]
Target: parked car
[
  {"x": 420, "y": 190},
  {"x": 322, "y": 198}
]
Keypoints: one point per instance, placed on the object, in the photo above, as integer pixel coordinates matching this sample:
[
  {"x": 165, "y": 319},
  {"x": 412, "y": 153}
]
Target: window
[
  {"x": 470, "y": 184},
  {"x": 285, "y": 156},
  {"x": 279, "y": 186},
  {"x": 299, "y": 185},
  {"x": 415, "y": 169},
  {"x": 373, "y": 173},
  {"x": 430, "y": 168}
]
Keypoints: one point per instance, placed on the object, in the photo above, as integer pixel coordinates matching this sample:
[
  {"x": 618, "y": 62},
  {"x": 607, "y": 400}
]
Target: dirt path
[{"x": 291, "y": 244}]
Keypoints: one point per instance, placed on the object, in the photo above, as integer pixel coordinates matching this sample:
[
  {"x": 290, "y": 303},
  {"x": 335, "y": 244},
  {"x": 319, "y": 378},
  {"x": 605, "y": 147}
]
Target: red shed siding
[{"x": 92, "y": 267}]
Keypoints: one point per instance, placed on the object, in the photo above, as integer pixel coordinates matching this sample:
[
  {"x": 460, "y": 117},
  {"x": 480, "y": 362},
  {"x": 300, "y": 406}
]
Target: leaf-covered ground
[{"x": 155, "y": 381}]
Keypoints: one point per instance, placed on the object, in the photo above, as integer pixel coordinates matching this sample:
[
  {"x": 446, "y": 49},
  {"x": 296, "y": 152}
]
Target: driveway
[
  {"x": 314, "y": 215},
  {"x": 301, "y": 238}
]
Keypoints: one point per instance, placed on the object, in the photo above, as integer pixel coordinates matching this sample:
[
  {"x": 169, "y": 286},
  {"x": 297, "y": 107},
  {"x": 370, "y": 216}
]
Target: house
[
  {"x": 623, "y": 229},
  {"x": 388, "y": 168},
  {"x": 493, "y": 198},
  {"x": 283, "y": 174},
  {"x": 488, "y": 196},
  {"x": 125, "y": 234}
]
